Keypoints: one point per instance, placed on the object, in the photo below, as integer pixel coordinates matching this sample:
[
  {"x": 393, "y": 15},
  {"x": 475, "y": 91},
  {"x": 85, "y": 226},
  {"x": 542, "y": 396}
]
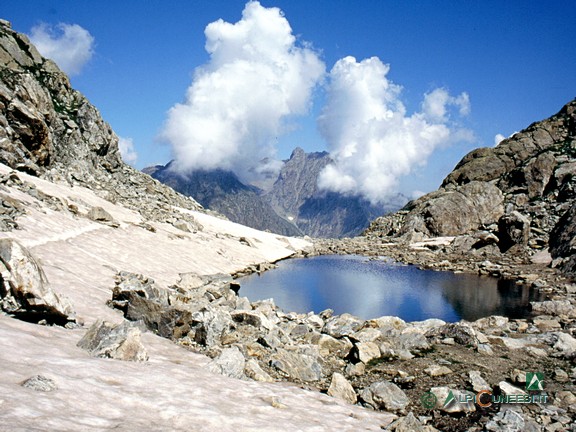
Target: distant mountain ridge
[
  {"x": 320, "y": 213},
  {"x": 223, "y": 192},
  {"x": 293, "y": 206}
]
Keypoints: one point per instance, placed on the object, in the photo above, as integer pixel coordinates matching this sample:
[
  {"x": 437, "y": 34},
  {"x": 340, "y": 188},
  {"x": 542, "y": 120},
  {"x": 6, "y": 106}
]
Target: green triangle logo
[
  {"x": 449, "y": 399},
  {"x": 534, "y": 381}
]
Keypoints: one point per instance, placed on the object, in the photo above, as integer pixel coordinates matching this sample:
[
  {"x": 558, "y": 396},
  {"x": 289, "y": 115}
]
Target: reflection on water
[{"x": 374, "y": 288}]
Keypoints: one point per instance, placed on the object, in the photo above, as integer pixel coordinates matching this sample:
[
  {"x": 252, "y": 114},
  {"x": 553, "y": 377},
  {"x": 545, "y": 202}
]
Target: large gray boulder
[
  {"x": 456, "y": 211},
  {"x": 121, "y": 342},
  {"x": 563, "y": 240},
  {"x": 24, "y": 289},
  {"x": 513, "y": 229}
]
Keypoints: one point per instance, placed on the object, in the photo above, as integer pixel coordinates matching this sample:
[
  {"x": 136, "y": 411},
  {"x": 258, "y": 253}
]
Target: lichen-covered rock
[{"x": 24, "y": 289}]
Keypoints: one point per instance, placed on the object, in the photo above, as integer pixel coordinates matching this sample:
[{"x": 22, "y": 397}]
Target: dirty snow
[{"x": 170, "y": 392}]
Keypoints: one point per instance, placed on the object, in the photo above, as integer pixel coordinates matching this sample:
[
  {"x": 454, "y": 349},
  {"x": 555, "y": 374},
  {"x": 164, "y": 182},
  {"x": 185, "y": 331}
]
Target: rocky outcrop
[
  {"x": 24, "y": 289},
  {"x": 51, "y": 130},
  {"x": 517, "y": 195},
  {"x": 563, "y": 241},
  {"x": 223, "y": 192}
]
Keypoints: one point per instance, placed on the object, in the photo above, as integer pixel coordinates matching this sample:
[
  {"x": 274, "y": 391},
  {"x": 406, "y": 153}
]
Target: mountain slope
[
  {"x": 51, "y": 130},
  {"x": 221, "y": 191},
  {"x": 521, "y": 192}
]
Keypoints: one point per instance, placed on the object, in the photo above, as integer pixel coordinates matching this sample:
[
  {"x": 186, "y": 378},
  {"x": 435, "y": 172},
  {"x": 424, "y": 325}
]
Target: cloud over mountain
[
  {"x": 258, "y": 76},
  {"x": 371, "y": 137},
  {"x": 69, "y": 45},
  {"x": 127, "y": 150}
]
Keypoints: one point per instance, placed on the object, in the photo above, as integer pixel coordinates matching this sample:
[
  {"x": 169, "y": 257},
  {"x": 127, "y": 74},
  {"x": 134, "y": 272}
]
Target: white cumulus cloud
[
  {"x": 371, "y": 137},
  {"x": 257, "y": 77},
  {"x": 127, "y": 150},
  {"x": 69, "y": 45}
]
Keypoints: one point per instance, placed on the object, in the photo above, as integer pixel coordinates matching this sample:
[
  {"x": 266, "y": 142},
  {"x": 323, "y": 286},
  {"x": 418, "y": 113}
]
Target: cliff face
[
  {"x": 522, "y": 192},
  {"x": 47, "y": 124},
  {"x": 50, "y": 130}
]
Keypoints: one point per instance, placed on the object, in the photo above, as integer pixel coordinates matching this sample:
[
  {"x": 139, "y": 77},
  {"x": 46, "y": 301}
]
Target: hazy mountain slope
[
  {"x": 293, "y": 206},
  {"x": 221, "y": 191}
]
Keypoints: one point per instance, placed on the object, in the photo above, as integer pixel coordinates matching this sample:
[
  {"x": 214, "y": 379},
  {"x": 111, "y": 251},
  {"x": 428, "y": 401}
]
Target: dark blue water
[{"x": 373, "y": 288}]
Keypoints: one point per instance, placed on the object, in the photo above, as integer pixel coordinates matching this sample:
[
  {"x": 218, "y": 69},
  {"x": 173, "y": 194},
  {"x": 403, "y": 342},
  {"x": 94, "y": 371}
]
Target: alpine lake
[{"x": 371, "y": 288}]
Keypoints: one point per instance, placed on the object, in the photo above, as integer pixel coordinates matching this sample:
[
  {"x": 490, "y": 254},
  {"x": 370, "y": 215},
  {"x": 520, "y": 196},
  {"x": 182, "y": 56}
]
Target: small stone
[
  {"x": 121, "y": 342},
  {"x": 453, "y": 401},
  {"x": 509, "y": 389},
  {"x": 546, "y": 325},
  {"x": 407, "y": 424},
  {"x": 565, "y": 343},
  {"x": 385, "y": 395},
  {"x": 565, "y": 398},
  {"x": 561, "y": 375},
  {"x": 98, "y": 214},
  {"x": 253, "y": 371},
  {"x": 357, "y": 369},
  {"x": 332, "y": 346},
  {"x": 448, "y": 341},
  {"x": 40, "y": 383},
  {"x": 518, "y": 376},
  {"x": 229, "y": 363},
  {"x": 485, "y": 349},
  {"x": 276, "y": 403},
  {"x": 435, "y": 371},
  {"x": 366, "y": 351},
  {"x": 342, "y": 325},
  {"x": 536, "y": 352},
  {"x": 340, "y": 388},
  {"x": 478, "y": 383}
]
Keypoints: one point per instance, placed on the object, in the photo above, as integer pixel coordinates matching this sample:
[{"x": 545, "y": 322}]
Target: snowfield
[{"x": 172, "y": 391}]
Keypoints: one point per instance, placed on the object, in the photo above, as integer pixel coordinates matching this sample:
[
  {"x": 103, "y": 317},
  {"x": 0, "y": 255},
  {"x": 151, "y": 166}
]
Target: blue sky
[{"x": 515, "y": 61}]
